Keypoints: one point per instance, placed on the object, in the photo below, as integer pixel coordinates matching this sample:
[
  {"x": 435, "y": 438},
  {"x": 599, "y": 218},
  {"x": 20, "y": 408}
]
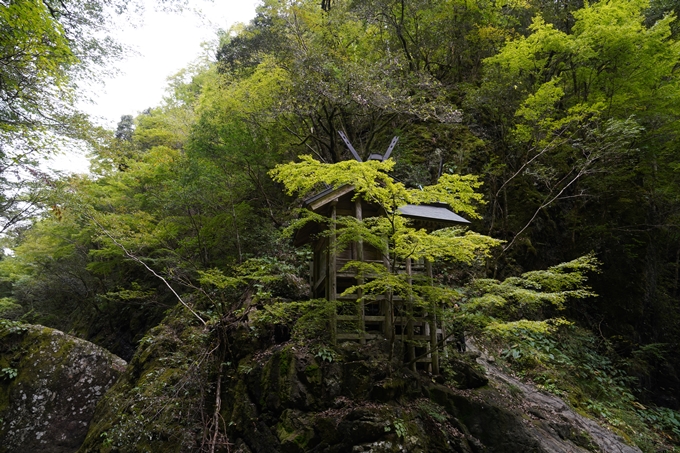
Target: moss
[
  {"x": 313, "y": 373},
  {"x": 59, "y": 379},
  {"x": 277, "y": 379},
  {"x": 281, "y": 398},
  {"x": 294, "y": 429},
  {"x": 285, "y": 359},
  {"x": 158, "y": 404},
  {"x": 242, "y": 411}
]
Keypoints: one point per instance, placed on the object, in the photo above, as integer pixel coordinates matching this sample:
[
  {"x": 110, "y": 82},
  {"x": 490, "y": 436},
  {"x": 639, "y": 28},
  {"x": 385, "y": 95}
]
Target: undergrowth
[{"x": 572, "y": 363}]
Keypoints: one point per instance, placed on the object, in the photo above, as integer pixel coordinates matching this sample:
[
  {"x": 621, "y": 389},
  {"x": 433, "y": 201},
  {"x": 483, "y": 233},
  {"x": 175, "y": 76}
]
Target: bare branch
[{"x": 153, "y": 272}]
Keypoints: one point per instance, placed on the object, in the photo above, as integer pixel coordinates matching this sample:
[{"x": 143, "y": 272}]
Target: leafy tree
[
  {"x": 492, "y": 306},
  {"x": 391, "y": 233},
  {"x": 340, "y": 73},
  {"x": 47, "y": 48},
  {"x": 125, "y": 128},
  {"x": 36, "y": 58},
  {"x": 581, "y": 153},
  {"x": 576, "y": 102}
]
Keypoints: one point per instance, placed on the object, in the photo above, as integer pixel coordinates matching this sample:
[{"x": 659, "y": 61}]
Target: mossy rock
[
  {"x": 157, "y": 405},
  {"x": 464, "y": 372},
  {"x": 287, "y": 398},
  {"x": 48, "y": 399}
]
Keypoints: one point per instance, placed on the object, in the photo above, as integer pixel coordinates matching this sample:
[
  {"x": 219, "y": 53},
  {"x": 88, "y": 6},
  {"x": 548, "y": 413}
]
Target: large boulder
[{"x": 50, "y": 383}]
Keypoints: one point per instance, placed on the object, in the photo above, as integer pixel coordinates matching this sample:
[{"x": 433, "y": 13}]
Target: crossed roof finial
[{"x": 373, "y": 156}]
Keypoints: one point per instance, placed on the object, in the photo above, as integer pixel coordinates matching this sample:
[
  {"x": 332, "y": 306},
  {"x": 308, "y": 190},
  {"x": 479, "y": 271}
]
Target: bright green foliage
[
  {"x": 308, "y": 319},
  {"x": 36, "y": 57},
  {"x": 582, "y": 124},
  {"x": 498, "y": 307},
  {"x": 610, "y": 63},
  {"x": 533, "y": 289},
  {"x": 35, "y": 96},
  {"x": 502, "y": 308},
  {"x": 577, "y": 100},
  {"x": 253, "y": 281},
  {"x": 370, "y": 179},
  {"x": 175, "y": 212},
  {"x": 392, "y": 233},
  {"x": 570, "y": 117},
  {"x": 372, "y": 183}
]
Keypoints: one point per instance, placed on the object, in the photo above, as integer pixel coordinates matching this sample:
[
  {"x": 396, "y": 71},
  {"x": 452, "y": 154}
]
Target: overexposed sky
[
  {"x": 165, "y": 42},
  {"x": 162, "y": 44}
]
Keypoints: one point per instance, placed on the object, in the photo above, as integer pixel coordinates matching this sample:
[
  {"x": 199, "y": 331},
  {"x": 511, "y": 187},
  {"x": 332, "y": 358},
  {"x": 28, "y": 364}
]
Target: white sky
[{"x": 164, "y": 43}]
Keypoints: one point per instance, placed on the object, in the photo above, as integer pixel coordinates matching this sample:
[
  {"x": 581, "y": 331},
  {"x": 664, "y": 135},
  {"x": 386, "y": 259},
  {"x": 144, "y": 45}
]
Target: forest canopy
[{"x": 562, "y": 117}]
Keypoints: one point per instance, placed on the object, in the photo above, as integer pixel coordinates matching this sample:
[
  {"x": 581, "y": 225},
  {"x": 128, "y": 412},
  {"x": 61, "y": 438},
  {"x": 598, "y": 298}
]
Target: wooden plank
[
  {"x": 347, "y": 318},
  {"x": 332, "y": 272},
  {"x": 358, "y": 213},
  {"x": 321, "y": 280},
  {"x": 380, "y": 318},
  {"x": 367, "y": 300},
  {"x": 356, "y": 336},
  {"x": 433, "y": 325},
  {"x": 356, "y": 318}
]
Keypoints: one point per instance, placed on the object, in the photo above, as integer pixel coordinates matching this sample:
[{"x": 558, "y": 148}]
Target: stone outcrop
[
  {"x": 50, "y": 383},
  {"x": 554, "y": 424},
  {"x": 291, "y": 401},
  {"x": 293, "y": 398}
]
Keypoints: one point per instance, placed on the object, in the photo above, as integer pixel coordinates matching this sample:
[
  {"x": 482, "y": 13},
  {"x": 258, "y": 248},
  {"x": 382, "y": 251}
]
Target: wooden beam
[
  {"x": 331, "y": 197},
  {"x": 433, "y": 325},
  {"x": 357, "y": 336},
  {"x": 356, "y": 318},
  {"x": 358, "y": 213},
  {"x": 332, "y": 274},
  {"x": 410, "y": 348}
]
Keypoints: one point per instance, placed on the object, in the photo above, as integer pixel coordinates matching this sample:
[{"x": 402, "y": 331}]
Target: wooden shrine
[{"x": 368, "y": 320}]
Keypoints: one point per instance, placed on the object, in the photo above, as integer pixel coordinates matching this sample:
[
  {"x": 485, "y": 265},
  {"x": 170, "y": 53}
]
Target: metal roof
[{"x": 439, "y": 212}]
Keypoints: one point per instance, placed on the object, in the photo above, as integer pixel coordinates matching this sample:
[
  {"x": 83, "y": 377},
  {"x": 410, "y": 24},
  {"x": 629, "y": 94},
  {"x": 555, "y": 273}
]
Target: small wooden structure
[{"x": 371, "y": 320}]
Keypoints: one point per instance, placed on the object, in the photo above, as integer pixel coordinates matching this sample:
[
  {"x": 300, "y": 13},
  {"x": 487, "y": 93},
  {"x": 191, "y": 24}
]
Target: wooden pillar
[
  {"x": 433, "y": 324},
  {"x": 387, "y": 306},
  {"x": 358, "y": 213},
  {"x": 332, "y": 274},
  {"x": 411, "y": 347},
  {"x": 428, "y": 348}
]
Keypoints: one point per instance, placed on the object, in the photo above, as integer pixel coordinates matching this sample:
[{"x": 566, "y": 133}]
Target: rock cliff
[{"x": 292, "y": 397}]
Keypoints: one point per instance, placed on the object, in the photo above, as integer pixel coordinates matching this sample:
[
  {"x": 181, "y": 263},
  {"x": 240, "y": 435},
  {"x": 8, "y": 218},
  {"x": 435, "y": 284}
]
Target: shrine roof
[
  {"x": 439, "y": 212},
  {"x": 436, "y": 211}
]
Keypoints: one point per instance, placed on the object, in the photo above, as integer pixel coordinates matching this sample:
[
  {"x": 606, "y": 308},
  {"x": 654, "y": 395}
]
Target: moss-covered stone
[
  {"x": 159, "y": 403},
  {"x": 287, "y": 398},
  {"x": 48, "y": 399}
]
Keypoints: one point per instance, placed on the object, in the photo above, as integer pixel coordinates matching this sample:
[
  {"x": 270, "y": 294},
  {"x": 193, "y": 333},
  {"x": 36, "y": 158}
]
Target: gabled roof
[
  {"x": 432, "y": 215},
  {"x": 437, "y": 212},
  {"x": 325, "y": 196}
]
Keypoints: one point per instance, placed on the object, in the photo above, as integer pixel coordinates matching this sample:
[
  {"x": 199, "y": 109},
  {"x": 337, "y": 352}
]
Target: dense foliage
[{"x": 566, "y": 112}]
